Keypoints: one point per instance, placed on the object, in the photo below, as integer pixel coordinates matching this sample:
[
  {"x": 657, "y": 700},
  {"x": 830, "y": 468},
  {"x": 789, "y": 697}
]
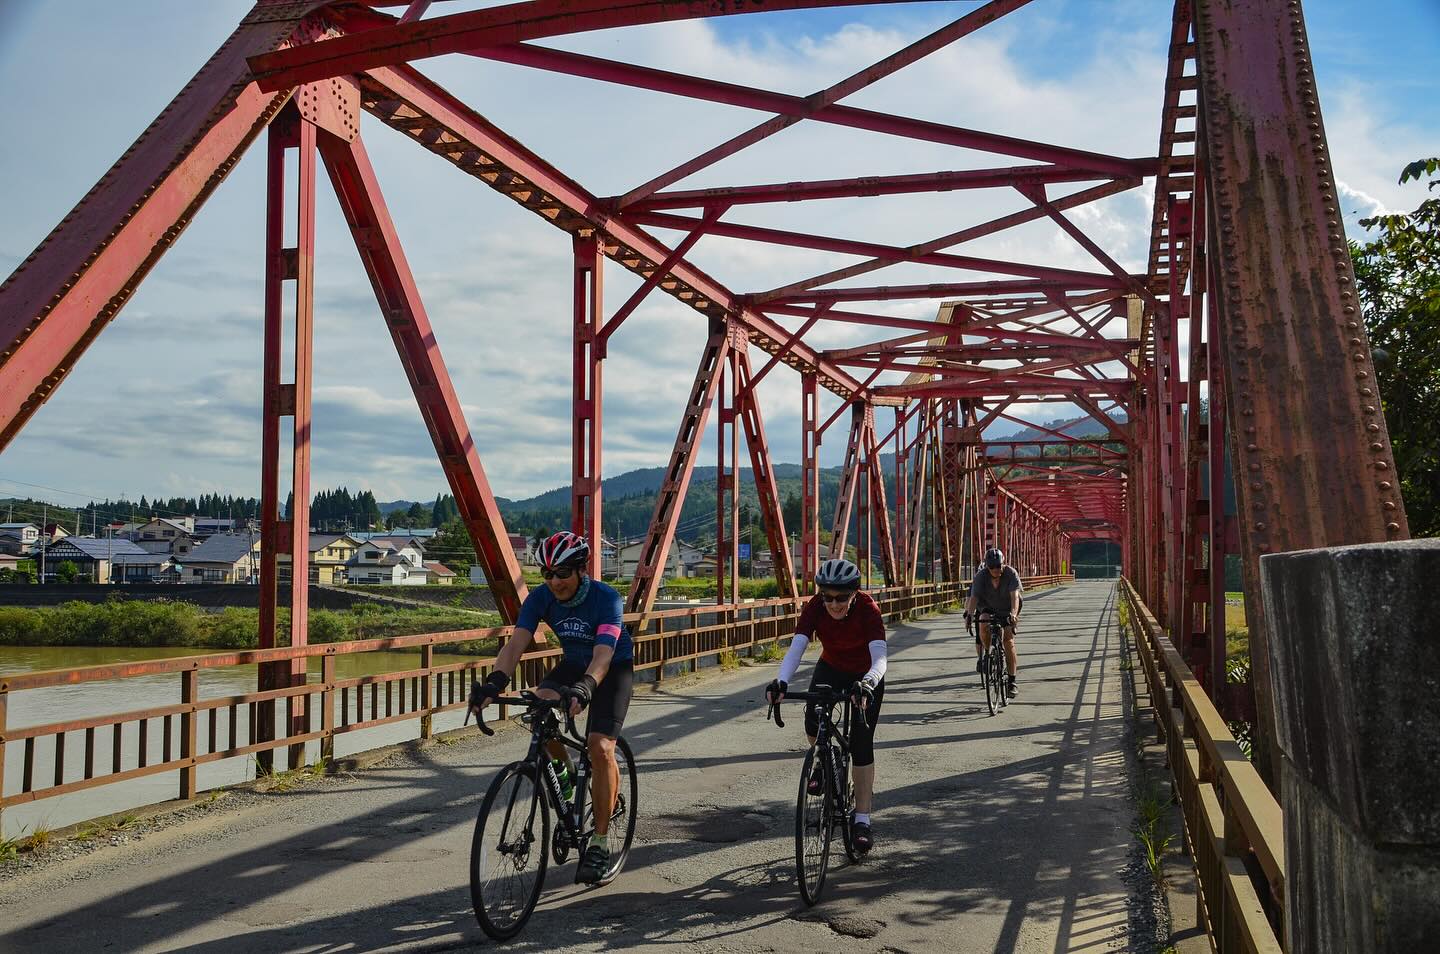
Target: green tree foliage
[
  {"x": 1398, "y": 278},
  {"x": 452, "y": 547},
  {"x": 444, "y": 510},
  {"x": 66, "y": 571}
]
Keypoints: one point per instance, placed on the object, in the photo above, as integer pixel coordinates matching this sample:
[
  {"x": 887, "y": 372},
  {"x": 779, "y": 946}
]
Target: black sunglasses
[
  {"x": 561, "y": 573},
  {"x": 837, "y": 597}
]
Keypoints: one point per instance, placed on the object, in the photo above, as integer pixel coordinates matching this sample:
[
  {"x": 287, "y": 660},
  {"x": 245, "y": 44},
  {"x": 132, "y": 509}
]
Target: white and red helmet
[{"x": 563, "y": 549}]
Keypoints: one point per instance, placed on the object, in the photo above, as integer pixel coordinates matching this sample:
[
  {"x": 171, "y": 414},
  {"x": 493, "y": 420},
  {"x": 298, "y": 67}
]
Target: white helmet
[{"x": 839, "y": 574}]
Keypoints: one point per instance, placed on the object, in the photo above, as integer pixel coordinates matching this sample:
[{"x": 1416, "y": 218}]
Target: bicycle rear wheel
[
  {"x": 509, "y": 852},
  {"x": 627, "y": 804},
  {"x": 812, "y": 832},
  {"x": 844, "y": 804}
]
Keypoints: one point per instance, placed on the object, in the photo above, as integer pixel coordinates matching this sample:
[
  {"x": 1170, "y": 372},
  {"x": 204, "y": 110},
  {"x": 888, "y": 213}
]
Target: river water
[{"x": 63, "y": 703}]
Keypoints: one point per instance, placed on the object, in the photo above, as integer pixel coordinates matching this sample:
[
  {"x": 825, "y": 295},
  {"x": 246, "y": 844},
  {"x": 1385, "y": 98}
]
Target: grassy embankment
[
  {"x": 135, "y": 623},
  {"x": 1237, "y": 634}
]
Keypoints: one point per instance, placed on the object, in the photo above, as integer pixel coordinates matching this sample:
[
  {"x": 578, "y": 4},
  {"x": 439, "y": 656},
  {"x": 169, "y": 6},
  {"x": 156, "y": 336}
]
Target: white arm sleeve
[
  {"x": 877, "y": 662},
  {"x": 791, "y": 662}
]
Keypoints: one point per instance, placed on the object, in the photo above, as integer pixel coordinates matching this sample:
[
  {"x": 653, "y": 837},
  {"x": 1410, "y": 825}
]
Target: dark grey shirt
[{"x": 992, "y": 596}]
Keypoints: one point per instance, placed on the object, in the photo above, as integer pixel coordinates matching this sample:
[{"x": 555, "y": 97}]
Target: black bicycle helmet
[{"x": 994, "y": 559}]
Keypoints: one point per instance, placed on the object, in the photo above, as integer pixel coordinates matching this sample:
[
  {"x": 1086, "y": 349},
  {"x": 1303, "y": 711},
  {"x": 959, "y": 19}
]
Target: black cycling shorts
[
  {"x": 983, "y": 613},
  {"x": 611, "y": 699},
  {"x": 862, "y": 736}
]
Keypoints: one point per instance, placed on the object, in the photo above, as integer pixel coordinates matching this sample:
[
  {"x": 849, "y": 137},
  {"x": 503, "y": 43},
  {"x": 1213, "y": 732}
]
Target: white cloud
[{"x": 169, "y": 397}]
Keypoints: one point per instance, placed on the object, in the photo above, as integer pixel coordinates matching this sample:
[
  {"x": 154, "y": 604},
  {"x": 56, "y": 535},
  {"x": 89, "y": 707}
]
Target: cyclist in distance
[
  {"x": 596, "y": 671},
  {"x": 852, "y": 654},
  {"x": 996, "y": 591}
]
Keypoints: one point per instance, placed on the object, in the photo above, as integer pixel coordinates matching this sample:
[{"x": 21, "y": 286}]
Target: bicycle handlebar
[
  {"x": 820, "y": 695},
  {"x": 529, "y": 700}
]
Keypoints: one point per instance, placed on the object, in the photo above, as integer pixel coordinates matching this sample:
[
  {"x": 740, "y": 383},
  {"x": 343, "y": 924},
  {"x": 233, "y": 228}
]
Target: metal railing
[
  {"x": 197, "y": 731},
  {"x": 1232, "y": 821}
]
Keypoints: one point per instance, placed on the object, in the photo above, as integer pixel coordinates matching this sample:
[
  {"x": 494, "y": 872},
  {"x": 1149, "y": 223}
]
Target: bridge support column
[{"x": 1354, "y": 654}]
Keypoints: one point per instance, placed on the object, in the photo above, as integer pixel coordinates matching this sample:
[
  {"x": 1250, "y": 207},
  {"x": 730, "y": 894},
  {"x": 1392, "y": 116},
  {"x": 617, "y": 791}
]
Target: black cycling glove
[
  {"x": 582, "y": 691},
  {"x": 777, "y": 687},
  {"x": 481, "y": 693}
]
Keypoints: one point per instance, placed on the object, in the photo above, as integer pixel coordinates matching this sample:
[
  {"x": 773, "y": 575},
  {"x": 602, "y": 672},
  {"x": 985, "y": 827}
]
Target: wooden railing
[
  {"x": 198, "y": 731},
  {"x": 1232, "y": 821}
]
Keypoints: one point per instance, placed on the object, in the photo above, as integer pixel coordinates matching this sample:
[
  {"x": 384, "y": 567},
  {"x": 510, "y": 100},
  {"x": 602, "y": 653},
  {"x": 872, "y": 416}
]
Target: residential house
[
  {"x": 18, "y": 539},
  {"x": 689, "y": 556},
  {"x": 411, "y": 548},
  {"x": 524, "y": 552},
  {"x": 93, "y": 558},
  {"x": 441, "y": 573},
  {"x": 208, "y": 526},
  {"x": 630, "y": 558},
  {"x": 420, "y": 533},
  {"x": 377, "y": 563},
  {"x": 223, "y": 558},
  {"x": 52, "y": 532},
  {"x": 145, "y": 568},
  {"x": 166, "y": 535},
  {"x": 329, "y": 555}
]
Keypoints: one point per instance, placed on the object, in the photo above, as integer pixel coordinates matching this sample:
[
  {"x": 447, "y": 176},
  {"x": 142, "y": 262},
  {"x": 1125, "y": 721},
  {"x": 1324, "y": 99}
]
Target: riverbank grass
[{"x": 133, "y": 623}]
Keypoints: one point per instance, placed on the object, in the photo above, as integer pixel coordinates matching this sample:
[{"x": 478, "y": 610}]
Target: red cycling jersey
[{"x": 844, "y": 643}]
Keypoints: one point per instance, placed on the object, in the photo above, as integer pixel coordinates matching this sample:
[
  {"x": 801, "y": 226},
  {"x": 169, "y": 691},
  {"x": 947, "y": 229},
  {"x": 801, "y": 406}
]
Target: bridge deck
[{"x": 1006, "y": 833}]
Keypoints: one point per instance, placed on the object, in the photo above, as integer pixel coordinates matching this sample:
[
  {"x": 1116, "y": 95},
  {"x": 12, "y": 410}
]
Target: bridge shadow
[{"x": 977, "y": 842}]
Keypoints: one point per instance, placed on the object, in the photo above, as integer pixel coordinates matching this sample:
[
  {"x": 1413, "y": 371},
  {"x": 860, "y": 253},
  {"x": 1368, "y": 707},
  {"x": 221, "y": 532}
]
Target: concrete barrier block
[{"x": 1355, "y": 660}]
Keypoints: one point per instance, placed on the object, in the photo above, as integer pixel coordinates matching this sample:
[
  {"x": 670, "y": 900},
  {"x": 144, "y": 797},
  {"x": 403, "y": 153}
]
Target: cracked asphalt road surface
[{"x": 1003, "y": 833}]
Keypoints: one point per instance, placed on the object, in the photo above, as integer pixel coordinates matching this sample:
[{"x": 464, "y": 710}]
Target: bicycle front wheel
[
  {"x": 509, "y": 852},
  {"x": 992, "y": 698},
  {"x": 627, "y": 804},
  {"x": 997, "y": 677},
  {"x": 812, "y": 832}
]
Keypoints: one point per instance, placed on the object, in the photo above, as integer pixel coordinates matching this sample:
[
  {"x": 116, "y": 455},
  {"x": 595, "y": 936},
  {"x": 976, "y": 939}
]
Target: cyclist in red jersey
[{"x": 852, "y": 655}]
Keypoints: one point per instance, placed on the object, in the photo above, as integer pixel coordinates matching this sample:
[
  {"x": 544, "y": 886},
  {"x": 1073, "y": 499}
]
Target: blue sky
[{"x": 167, "y": 400}]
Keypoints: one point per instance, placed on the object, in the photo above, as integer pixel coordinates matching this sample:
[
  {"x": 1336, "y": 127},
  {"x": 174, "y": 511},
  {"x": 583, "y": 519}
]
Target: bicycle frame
[{"x": 545, "y": 728}]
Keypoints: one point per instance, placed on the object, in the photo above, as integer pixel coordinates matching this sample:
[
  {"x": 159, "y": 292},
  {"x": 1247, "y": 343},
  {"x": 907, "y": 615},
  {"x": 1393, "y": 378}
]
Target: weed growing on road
[
  {"x": 285, "y": 781},
  {"x": 101, "y": 827},
  {"x": 729, "y": 659},
  {"x": 445, "y": 740},
  {"x": 9, "y": 849},
  {"x": 37, "y": 839},
  {"x": 1152, "y": 805},
  {"x": 769, "y": 652}
]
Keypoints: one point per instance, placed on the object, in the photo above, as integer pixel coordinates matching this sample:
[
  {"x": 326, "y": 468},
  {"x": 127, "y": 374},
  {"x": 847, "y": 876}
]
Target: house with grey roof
[
  {"x": 94, "y": 558},
  {"x": 223, "y": 558},
  {"x": 145, "y": 568}
]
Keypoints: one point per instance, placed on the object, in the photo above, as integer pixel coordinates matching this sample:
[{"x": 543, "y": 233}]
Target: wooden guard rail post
[
  {"x": 210, "y": 730},
  {"x": 1232, "y": 822}
]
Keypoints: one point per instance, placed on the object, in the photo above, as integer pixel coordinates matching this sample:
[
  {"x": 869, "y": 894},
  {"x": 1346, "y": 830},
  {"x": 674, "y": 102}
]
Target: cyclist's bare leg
[
  {"x": 864, "y": 776},
  {"x": 1012, "y": 659},
  {"x": 606, "y": 780}
]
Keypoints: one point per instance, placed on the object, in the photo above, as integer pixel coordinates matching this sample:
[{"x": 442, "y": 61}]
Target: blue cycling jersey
[{"x": 592, "y": 617}]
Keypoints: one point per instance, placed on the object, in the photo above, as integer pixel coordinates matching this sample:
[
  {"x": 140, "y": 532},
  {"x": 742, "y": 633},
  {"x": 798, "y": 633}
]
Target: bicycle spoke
[{"x": 508, "y": 857}]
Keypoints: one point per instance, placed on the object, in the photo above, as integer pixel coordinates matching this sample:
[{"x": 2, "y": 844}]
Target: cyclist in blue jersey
[{"x": 595, "y": 671}]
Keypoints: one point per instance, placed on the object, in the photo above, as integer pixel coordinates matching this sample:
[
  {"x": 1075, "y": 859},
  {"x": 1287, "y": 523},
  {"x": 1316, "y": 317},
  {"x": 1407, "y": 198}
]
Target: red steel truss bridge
[{"x": 1240, "y": 339}]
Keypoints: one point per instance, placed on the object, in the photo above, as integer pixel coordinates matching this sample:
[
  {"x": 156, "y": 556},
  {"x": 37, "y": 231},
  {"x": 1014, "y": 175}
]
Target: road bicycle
[
  {"x": 992, "y": 666},
  {"x": 513, "y": 841},
  {"x": 818, "y": 816}
]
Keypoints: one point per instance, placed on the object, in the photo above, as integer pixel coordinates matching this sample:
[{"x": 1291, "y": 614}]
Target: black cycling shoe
[
  {"x": 593, "y": 865},
  {"x": 1010, "y": 688},
  {"x": 861, "y": 838},
  {"x": 980, "y": 665}
]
